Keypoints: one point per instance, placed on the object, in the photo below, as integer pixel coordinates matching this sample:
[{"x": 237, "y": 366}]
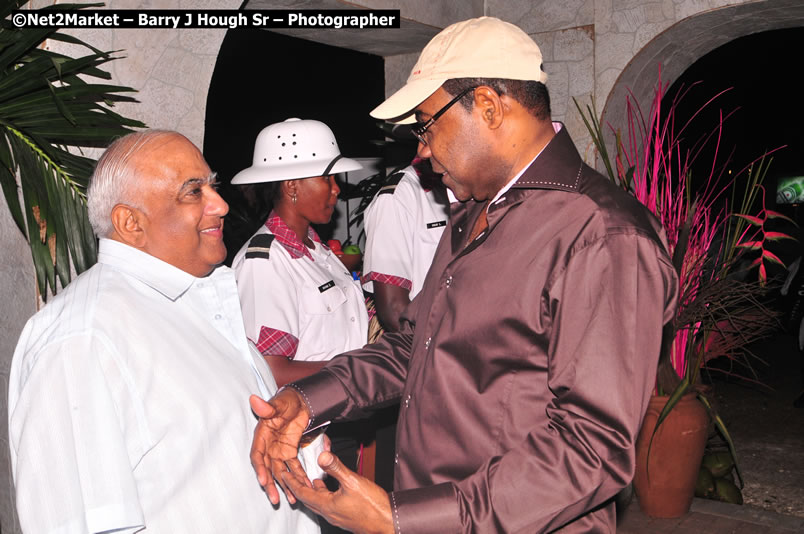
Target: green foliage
[{"x": 46, "y": 108}]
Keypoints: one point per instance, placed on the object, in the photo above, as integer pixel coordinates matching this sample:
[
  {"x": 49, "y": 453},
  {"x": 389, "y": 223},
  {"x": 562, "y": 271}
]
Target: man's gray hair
[{"x": 115, "y": 179}]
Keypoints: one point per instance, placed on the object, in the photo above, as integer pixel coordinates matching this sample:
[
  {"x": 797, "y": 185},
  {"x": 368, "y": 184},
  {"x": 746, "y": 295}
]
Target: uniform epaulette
[
  {"x": 390, "y": 184},
  {"x": 259, "y": 246}
]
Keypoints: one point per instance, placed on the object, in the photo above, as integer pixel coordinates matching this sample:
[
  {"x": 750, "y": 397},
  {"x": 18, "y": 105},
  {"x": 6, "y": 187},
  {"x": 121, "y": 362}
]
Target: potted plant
[
  {"x": 47, "y": 106},
  {"x": 713, "y": 242}
]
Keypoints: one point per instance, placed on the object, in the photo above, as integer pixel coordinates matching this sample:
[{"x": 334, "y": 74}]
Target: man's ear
[
  {"x": 129, "y": 225},
  {"x": 490, "y": 105}
]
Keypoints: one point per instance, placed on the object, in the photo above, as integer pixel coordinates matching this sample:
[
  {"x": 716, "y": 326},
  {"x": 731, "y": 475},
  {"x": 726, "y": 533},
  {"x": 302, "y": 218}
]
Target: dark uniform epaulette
[
  {"x": 259, "y": 246},
  {"x": 390, "y": 184}
]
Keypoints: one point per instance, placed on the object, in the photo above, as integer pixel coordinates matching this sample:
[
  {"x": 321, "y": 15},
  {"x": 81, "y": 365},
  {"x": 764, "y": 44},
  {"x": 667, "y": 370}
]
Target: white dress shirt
[
  {"x": 403, "y": 227},
  {"x": 128, "y": 406}
]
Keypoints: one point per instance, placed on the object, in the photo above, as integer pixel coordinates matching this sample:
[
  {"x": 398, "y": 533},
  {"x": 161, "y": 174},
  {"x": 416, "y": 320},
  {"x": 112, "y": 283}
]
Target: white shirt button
[
  {"x": 353, "y": 319},
  {"x": 448, "y": 281},
  {"x": 218, "y": 316}
]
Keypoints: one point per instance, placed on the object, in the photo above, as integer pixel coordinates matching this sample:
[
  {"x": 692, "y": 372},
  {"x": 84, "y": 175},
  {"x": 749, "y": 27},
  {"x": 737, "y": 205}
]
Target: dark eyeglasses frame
[{"x": 420, "y": 128}]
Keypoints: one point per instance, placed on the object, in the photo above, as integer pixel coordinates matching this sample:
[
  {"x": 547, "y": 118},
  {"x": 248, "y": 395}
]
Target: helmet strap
[{"x": 331, "y": 164}]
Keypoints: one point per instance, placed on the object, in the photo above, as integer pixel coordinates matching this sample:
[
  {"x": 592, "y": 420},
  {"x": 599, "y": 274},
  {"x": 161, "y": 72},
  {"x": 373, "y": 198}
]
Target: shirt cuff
[
  {"x": 324, "y": 396},
  {"x": 277, "y": 342},
  {"x": 428, "y": 510},
  {"x": 390, "y": 279}
]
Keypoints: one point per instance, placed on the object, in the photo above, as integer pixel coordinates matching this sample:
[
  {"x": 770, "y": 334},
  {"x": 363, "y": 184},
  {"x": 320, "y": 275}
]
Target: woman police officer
[{"x": 300, "y": 304}]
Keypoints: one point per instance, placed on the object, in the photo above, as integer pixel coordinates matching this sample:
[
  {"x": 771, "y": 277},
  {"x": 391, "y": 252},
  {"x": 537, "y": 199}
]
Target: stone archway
[{"x": 685, "y": 42}]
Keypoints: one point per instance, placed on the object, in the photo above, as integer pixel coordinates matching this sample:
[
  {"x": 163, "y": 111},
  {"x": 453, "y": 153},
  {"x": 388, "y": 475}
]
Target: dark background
[
  {"x": 762, "y": 73},
  {"x": 261, "y": 78},
  {"x": 761, "y": 76}
]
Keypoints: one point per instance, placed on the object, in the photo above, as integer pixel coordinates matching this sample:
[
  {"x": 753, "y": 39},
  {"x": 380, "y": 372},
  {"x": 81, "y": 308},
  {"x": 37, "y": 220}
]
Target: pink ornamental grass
[{"x": 660, "y": 179}]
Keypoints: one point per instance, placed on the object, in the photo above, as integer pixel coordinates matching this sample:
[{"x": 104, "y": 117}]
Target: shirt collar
[
  {"x": 163, "y": 277},
  {"x": 288, "y": 237},
  {"x": 557, "y": 127}
]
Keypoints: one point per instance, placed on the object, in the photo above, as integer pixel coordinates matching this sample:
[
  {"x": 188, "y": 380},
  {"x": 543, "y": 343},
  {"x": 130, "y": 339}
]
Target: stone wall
[
  {"x": 170, "y": 69},
  {"x": 18, "y": 295}
]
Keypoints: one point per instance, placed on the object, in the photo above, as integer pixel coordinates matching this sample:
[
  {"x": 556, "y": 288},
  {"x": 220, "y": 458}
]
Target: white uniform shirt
[
  {"x": 299, "y": 302},
  {"x": 128, "y": 406},
  {"x": 403, "y": 226}
]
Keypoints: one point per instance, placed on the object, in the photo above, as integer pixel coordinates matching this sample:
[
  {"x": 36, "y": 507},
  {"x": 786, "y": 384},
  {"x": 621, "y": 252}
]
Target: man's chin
[
  {"x": 219, "y": 256},
  {"x": 457, "y": 195}
]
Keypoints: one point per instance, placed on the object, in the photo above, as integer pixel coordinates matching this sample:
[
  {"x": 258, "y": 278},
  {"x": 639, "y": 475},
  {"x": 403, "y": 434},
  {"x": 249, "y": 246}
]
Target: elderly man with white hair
[{"x": 128, "y": 395}]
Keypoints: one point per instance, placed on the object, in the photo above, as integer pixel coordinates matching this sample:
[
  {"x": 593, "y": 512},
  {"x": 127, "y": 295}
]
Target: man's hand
[
  {"x": 275, "y": 446},
  {"x": 359, "y": 505}
]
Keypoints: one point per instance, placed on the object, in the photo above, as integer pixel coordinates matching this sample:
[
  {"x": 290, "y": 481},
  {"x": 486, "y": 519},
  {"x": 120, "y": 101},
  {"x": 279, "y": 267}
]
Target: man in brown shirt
[{"x": 525, "y": 364}]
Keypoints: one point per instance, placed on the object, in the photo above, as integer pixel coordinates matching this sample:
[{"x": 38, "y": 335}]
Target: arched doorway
[
  {"x": 263, "y": 77},
  {"x": 682, "y": 44}
]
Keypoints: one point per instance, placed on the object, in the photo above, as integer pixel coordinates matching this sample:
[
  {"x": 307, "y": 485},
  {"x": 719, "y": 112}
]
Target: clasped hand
[
  {"x": 359, "y": 505},
  {"x": 275, "y": 446}
]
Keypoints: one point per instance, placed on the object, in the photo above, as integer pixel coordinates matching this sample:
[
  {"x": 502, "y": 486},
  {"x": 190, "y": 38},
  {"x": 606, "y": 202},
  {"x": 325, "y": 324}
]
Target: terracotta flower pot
[{"x": 665, "y": 481}]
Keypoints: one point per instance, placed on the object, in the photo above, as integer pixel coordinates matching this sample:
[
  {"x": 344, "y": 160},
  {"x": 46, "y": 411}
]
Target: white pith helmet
[{"x": 294, "y": 149}]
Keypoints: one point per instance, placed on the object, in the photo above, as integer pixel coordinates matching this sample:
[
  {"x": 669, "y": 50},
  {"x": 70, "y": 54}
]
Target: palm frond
[{"x": 47, "y": 108}]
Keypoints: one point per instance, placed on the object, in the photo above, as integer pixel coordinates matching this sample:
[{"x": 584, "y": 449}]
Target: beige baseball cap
[{"x": 484, "y": 47}]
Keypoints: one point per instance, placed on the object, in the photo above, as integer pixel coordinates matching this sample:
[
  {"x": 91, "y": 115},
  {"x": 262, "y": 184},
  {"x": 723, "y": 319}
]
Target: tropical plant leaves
[{"x": 47, "y": 107}]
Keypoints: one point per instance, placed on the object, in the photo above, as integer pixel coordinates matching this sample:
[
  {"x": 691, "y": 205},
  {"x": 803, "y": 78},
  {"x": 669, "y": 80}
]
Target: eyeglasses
[{"x": 420, "y": 128}]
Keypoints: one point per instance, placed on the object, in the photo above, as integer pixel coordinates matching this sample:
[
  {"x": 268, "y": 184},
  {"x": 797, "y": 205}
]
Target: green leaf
[
  {"x": 8, "y": 181},
  {"x": 48, "y": 102},
  {"x": 721, "y": 426},
  {"x": 750, "y": 245},
  {"x": 60, "y": 105}
]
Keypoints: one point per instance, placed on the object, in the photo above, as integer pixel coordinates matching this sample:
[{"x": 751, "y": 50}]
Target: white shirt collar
[{"x": 163, "y": 277}]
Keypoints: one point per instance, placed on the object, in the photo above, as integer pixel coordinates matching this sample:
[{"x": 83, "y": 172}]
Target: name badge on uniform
[
  {"x": 436, "y": 224},
  {"x": 328, "y": 285}
]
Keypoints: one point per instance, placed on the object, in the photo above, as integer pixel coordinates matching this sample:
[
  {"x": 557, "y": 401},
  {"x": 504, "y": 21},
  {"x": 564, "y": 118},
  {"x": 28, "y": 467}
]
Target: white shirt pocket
[{"x": 324, "y": 299}]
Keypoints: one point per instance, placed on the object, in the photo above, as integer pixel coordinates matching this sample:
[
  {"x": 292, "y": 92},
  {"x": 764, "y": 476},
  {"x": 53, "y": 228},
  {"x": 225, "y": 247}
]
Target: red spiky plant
[{"x": 709, "y": 235}]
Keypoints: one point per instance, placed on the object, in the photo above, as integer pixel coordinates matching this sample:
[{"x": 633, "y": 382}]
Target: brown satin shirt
[{"x": 526, "y": 362}]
